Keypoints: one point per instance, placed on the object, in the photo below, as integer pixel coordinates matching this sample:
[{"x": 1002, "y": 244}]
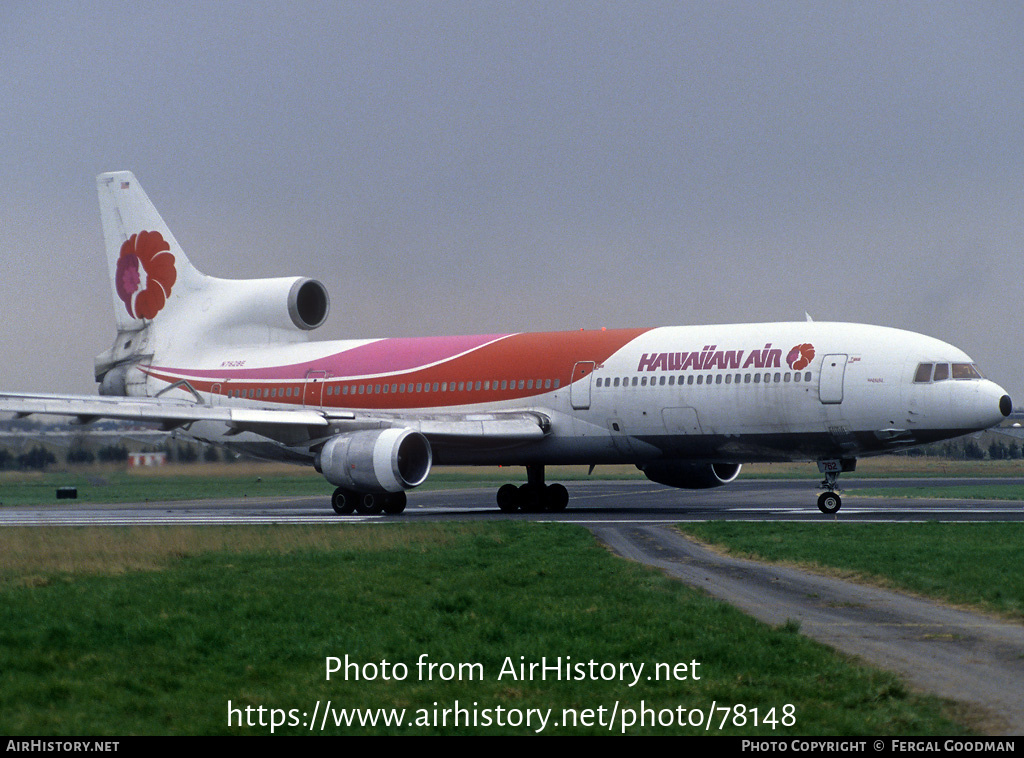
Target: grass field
[
  {"x": 155, "y": 630},
  {"x": 966, "y": 491},
  {"x": 969, "y": 564}
]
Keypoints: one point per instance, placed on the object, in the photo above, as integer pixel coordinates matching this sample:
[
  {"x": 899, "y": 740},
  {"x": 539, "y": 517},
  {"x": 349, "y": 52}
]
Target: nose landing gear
[{"x": 829, "y": 500}]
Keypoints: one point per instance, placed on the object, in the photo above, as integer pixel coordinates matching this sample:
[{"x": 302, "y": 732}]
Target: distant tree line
[
  {"x": 39, "y": 458},
  {"x": 969, "y": 449}
]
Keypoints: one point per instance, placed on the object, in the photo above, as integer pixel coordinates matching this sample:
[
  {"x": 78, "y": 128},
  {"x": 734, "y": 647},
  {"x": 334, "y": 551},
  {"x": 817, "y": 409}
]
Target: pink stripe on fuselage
[{"x": 383, "y": 356}]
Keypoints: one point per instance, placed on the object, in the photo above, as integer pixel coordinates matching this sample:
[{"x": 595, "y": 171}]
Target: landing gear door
[
  {"x": 579, "y": 388},
  {"x": 830, "y": 385}
]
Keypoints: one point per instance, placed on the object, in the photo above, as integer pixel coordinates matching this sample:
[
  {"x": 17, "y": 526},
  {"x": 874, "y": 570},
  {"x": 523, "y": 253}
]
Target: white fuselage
[{"x": 727, "y": 393}]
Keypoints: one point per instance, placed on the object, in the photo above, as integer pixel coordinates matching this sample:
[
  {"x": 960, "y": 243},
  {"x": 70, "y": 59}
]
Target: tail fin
[
  {"x": 148, "y": 269},
  {"x": 164, "y": 306}
]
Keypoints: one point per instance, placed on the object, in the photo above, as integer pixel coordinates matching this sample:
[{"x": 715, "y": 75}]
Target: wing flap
[
  {"x": 168, "y": 413},
  {"x": 511, "y": 427}
]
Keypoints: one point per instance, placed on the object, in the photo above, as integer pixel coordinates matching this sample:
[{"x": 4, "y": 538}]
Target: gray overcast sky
[{"x": 461, "y": 167}]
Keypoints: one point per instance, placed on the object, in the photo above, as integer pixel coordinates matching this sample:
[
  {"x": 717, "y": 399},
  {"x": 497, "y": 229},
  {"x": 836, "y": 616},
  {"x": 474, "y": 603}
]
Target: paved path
[{"x": 963, "y": 656}]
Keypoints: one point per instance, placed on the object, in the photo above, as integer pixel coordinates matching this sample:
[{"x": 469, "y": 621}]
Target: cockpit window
[
  {"x": 928, "y": 372},
  {"x": 966, "y": 371}
]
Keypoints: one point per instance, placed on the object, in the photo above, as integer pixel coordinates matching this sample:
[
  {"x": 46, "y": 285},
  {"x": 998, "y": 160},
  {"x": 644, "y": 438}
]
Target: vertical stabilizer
[
  {"x": 148, "y": 269},
  {"x": 166, "y": 310}
]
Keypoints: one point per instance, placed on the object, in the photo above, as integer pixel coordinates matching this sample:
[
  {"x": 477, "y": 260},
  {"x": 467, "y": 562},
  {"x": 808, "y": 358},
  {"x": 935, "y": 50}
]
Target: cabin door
[
  {"x": 830, "y": 385},
  {"x": 313, "y": 397},
  {"x": 579, "y": 388}
]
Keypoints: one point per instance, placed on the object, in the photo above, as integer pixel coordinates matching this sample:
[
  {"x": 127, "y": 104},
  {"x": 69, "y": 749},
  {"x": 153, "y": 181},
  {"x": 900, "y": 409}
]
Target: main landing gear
[
  {"x": 534, "y": 496},
  {"x": 829, "y": 500},
  {"x": 345, "y": 502}
]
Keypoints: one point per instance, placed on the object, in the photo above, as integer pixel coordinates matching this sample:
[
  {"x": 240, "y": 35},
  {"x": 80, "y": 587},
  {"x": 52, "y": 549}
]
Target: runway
[{"x": 591, "y": 502}]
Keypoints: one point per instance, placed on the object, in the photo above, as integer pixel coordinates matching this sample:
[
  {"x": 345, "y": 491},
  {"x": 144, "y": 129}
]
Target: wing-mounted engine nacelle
[
  {"x": 690, "y": 476},
  {"x": 376, "y": 460}
]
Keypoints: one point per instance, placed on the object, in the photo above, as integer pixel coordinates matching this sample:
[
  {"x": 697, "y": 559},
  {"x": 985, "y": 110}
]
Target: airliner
[{"x": 230, "y": 362}]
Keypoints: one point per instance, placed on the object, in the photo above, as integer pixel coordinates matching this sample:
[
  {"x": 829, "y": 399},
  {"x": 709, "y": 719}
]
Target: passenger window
[
  {"x": 924, "y": 373},
  {"x": 941, "y": 372}
]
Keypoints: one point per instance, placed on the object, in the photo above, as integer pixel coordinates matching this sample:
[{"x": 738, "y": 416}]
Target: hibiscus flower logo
[
  {"x": 800, "y": 357},
  {"x": 145, "y": 274}
]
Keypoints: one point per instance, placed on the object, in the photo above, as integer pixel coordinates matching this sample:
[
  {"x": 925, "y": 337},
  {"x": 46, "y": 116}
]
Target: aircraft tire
[
  {"x": 829, "y": 502},
  {"x": 343, "y": 501},
  {"x": 508, "y": 498},
  {"x": 532, "y": 498},
  {"x": 394, "y": 503},
  {"x": 369, "y": 504},
  {"x": 556, "y": 498}
]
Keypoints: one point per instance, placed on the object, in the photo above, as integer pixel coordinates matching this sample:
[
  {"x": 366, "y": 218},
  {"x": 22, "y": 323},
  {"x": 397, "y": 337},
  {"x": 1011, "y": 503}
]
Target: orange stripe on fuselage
[{"x": 530, "y": 357}]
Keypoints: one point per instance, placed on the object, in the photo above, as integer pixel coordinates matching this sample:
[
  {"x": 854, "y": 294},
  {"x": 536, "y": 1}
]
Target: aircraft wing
[
  {"x": 168, "y": 414},
  {"x": 460, "y": 430},
  {"x": 290, "y": 426},
  {"x": 1009, "y": 431}
]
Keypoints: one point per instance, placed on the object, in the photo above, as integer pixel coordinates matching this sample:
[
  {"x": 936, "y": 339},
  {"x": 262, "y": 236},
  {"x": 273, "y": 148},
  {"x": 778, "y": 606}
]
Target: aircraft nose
[{"x": 984, "y": 406}]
